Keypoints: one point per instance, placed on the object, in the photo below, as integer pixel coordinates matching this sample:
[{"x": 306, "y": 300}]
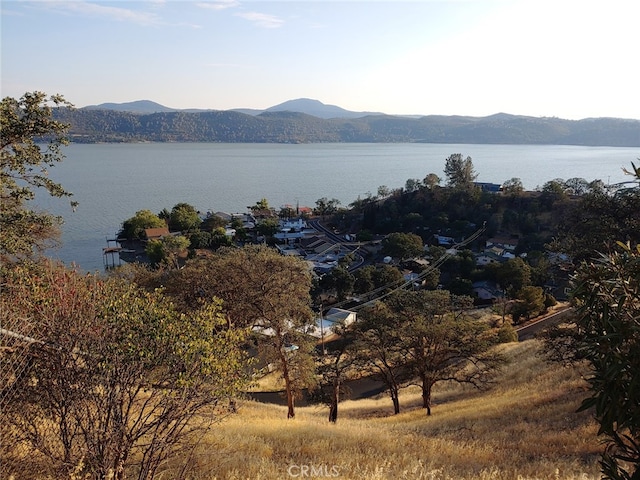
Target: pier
[{"x": 109, "y": 254}]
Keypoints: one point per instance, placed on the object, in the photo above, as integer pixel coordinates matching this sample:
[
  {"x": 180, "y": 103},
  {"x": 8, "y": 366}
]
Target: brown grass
[{"x": 524, "y": 427}]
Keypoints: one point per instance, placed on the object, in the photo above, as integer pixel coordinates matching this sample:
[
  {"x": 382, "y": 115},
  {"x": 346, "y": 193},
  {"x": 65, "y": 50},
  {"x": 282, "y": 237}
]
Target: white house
[{"x": 326, "y": 326}]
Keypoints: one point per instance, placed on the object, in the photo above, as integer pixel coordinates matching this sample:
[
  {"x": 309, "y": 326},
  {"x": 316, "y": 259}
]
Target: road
[
  {"x": 351, "y": 247},
  {"x": 532, "y": 329}
]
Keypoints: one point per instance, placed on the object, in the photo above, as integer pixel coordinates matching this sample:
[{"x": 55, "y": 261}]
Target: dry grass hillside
[{"x": 524, "y": 427}]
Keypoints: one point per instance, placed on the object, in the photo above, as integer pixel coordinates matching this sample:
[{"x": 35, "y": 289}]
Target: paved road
[
  {"x": 532, "y": 329},
  {"x": 353, "y": 248}
]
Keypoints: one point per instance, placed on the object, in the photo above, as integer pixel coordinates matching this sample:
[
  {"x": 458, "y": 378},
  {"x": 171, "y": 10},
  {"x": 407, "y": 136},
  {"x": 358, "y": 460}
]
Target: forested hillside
[{"x": 90, "y": 125}]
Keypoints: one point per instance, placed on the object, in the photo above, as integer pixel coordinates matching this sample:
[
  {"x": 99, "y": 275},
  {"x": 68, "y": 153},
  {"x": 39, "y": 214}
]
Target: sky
[{"x": 571, "y": 59}]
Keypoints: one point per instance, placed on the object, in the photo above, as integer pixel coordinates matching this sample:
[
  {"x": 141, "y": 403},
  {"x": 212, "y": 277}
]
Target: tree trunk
[
  {"x": 335, "y": 398},
  {"x": 426, "y": 397},
  {"x": 287, "y": 385},
  {"x": 290, "y": 404},
  {"x": 290, "y": 397},
  {"x": 395, "y": 399}
]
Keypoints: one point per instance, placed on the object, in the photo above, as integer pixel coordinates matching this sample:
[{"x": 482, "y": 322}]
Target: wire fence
[{"x": 16, "y": 342}]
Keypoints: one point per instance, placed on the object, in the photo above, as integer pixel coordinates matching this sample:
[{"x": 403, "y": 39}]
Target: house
[
  {"x": 444, "y": 241},
  {"x": 486, "y": 290},
  {"x": 413, "y": 278},
  {"x": 510, "y": 243},
  {"x": 488, "y": 187},
  {"x": 156, "y": 233},
  {"x": 487, "y": 257},
  {"x": 326, "y": 326}
]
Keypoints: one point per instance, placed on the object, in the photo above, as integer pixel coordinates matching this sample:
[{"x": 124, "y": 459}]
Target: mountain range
[
  {"x": 302, "y": 105},
  {"x": 311, "y": 121}
]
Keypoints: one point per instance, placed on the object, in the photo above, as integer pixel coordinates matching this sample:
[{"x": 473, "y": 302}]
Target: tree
[
  {"x": 334, "y": 364},
  {"x": 403, "y": 245},
  {"x": 261, "y": 209},
  {"x": 268, "y": 227},
  {"x": 324, "y": 206},
  {"x": 607, "y": 294},
  {"x": 460, "y": 172},
  {"x": 412, "y": 184},
  {"x": 116, "y": 380},
  {"x": 261, "y": 290},
  {"x": 134, "y": 227},
  {"x": 514, "y": 275},
  {"x": 24, "y": 125},
  {"x": 379, "y": 350},
  {"x": 431, "y": 181},
  {"x": 442, "y": 342},
  {"x": 211, "y": 222},
  {"x": 577, "y": 186},
  {"x": 287, "y": 212},
  {"x": 553, "y": 191},
  {"x": 167, "y": 250},
  {"x": 596, "y": 220},
  {"x": 183, "y": 218},
  {"x": 383, "y": 191},
  {"x": 531, "y": 302},
  {"x": 340, "y": 280},
  {"x": 513, "y": 187}
]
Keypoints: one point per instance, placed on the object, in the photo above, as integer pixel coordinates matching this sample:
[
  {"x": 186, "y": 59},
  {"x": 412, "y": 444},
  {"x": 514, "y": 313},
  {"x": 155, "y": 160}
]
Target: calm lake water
[{"x": 113, "y": 181}]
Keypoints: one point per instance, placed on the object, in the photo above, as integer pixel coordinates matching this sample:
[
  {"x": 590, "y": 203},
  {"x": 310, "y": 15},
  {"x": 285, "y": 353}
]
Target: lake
[{"x": 113, "y": 181}]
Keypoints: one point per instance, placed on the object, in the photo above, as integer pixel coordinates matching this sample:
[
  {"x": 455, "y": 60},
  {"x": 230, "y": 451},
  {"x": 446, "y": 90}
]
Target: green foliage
[
  {"x": 184, "y": 218},
  {"x": 134, "y": 227},
  {"x": 431, "y": 180},
  {"x": 261, "y": 289},
  {"x": 24, "y": 125},
  {"x": 200, "y": 239},
  {"x": 513, "y": 187},
  {"x": 459, "y": 172},
  {"x": 531, "y": 303},
  {"x": 514, "y": 275},
  {"x": 268, "y": 227},
  {"x": 339, "y": 280},
  {"x": 507, "y": 334},
  {"x": 607, "y": 294},
  {"x": 290, "y": 127},
  {"x": 324, "y": 206},
  {"x": 403, "y": 245},
  {"x": 596, "y": 220},
  {"x": 167, "y": 250},
  {"x": 261, "y": 205},
  {"x": 212, "y": 222},
  {"x": 426, "y": 335},
  {"x": 114, "y": 366}
]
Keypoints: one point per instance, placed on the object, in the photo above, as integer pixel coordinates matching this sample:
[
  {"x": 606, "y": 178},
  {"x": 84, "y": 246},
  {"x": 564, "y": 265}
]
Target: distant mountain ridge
[
  {"x": 311, "y": 121},
  {"x": 301, "y": 105}
]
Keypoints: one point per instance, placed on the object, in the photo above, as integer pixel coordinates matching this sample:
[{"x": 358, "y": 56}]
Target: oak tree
[{"x": 261, "y": 290}]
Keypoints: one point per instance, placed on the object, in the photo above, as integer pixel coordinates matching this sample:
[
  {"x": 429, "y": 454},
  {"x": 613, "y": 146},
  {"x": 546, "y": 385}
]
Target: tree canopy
[
  {"x": 608, "y": 296},
  {"x": 403, "y": 245},
  {"x": 262, "y": 290},
  {"x": 116, "y": 377},
  {"x": 134, "y": 227},
  {"x": 24, "y": 125},
  {"x": 459, "y": 171}
]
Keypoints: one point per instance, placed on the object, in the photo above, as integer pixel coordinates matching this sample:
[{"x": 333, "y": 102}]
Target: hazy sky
[{"x": 564, "y": 58}]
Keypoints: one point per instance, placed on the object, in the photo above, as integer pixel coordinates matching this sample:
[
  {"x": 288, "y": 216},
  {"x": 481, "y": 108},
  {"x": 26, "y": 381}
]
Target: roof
[{"x": 153, "y": 233}]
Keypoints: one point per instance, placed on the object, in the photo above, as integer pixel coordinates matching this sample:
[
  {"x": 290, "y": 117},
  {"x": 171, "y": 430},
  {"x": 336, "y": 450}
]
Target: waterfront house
[{"x": 156, "y": 233}]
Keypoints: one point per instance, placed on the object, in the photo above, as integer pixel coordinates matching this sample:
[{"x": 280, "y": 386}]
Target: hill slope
[
  {"x": 99, "y": 125},
  {"x": 524, "y": 427}
]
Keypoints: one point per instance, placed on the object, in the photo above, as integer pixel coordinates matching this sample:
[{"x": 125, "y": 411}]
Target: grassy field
[{"x": 523, "y": 427}]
